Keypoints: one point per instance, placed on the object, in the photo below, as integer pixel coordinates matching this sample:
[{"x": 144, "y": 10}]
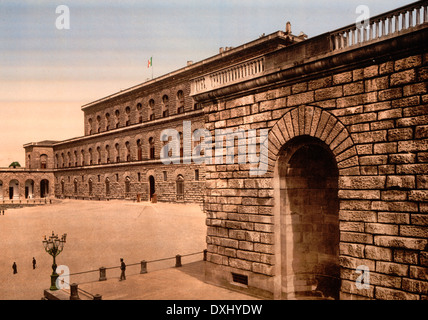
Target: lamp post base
[{"x": 54, "y": 277}]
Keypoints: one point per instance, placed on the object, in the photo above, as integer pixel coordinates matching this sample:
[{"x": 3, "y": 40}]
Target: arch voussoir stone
[{"x": 315, "y": 122}]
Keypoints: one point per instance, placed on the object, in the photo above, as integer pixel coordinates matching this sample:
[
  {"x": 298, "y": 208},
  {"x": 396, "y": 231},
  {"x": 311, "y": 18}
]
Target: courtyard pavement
[{"x": 99, "y": 233}]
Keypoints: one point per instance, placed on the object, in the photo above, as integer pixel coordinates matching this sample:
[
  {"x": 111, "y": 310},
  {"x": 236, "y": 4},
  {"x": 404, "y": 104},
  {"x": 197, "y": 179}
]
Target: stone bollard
[
  {"x": 103, "y": 274},
  {"x": 143, "y": 267},
  {"x": 177, "y": 261},
  {"x": 74, "y": 293},
  {"x": 205, "y": 254},
  {"x": 98, "y": 297}
]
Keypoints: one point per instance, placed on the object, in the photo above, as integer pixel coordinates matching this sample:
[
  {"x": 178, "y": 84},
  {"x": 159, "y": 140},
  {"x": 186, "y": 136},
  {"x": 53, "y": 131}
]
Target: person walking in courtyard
[
  {"x": 14, "y": 267},
  {"x": 34, "y": 263},
  {"x": 123, "y": 268}
]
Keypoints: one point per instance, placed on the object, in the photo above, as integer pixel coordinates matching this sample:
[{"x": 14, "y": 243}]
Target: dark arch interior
[{"x": 310, "y": 212}]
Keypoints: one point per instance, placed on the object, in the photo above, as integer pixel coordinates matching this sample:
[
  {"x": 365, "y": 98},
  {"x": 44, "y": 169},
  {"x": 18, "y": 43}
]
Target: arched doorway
[
  {"x": 44, "y": 188},
  {"x": 180, "y": 187},
  {"x": 309, "y": 219},
  {"x": 14, "y": 190},
  {"x": 29, "y": 189},
  {"x": 1, "y": 190},
  {"x": 152, "y": 189}
]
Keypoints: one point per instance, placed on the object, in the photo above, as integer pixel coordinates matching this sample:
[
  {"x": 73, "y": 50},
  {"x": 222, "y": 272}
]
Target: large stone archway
[{"x": 308, "y": 147}]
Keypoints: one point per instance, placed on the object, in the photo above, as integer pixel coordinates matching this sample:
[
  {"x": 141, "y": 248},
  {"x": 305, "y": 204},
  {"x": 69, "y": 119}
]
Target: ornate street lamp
[{"x": 54, "y": 246}]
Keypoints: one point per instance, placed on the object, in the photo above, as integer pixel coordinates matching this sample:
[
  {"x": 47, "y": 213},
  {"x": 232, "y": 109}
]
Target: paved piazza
[{"x": 99, "y": 233}]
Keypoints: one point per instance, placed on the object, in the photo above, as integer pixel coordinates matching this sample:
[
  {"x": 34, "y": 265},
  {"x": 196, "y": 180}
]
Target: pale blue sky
[{"x": 47, "y": 74}]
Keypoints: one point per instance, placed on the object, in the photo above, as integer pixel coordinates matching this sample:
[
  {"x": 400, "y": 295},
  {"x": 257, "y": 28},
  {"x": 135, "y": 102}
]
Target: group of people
[{"x": 15, "y": 267}]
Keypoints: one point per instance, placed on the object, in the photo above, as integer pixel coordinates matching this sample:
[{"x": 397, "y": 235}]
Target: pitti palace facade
[{"x": 340, "y": 209}]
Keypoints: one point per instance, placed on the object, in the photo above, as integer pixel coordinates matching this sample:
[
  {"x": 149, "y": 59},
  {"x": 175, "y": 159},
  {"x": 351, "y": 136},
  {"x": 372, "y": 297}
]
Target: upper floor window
[
  {"x": 107, "y": 154},
  {"x": 139, "y": 110},
  {"x": 98, "y": 124},
  {"x": 180, "y": 101},
  {"x": 116, "y": 146},
  {"x": 107, "y": 116},
  {"x": 90, "y": 156},
  {"x": 128, "y": 113},
  {"x": 165, "y": 106},
  {"x": 117, "y": 114},
  {"x": 152, "y": 147},
  {"x": 151, "y": 114},
  {"x": 128, "y": 151},
  {"x": 139, "y": 150},
  {"x": 82, "y": 152},
  {"x": 89, "y": 126},
  {"x": 99, "y": 155},
  {"x": 43, "y": 161}
]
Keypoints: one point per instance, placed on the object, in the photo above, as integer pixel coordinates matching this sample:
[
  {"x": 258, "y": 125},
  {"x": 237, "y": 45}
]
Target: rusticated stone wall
[{"x": 373, "y": 119}]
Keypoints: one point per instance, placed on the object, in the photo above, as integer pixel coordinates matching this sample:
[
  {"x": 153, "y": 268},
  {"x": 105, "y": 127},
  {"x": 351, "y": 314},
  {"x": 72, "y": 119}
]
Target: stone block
[
  {"x": 415, "y": 89},
  {"x": 343, "y": 77},
  {"x": 352, "y": 249},
  {"x": 394, "y": 217},
  {"x": 407, "y": 182},
  {"x": 402, "y": 77},
  {"x": 362, "y": 182},
  {"x": 356, "y": 237},
  {"x": 393, "y": 294},
  {"x": 400, "y": 242},
  {"x": 352, "y": 88},
  {"x": 300, "y": 99},
  {"x": 418, "y": 273},
  {"x": 381, "y": 228},
  {"x": 378, "y": 253},
  {"x": 392, "y": 268},
  {"x": 417, "y": 286},
  {"x": 407, "y": 63},
  {"x": 405, "y": 256},
  {"x": 414, "y": 231}
]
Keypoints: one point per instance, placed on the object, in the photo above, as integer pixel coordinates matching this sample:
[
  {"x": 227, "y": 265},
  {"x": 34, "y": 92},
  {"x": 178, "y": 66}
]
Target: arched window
[
  {"x": 75, "y": 158},
  {"x": 128, "y": 151},
  {"x": 107, "y": 154},
  {"x": 116, "y": 147},
  {"x": 90, "y": 156},
  {"x": 107, "y": 116},
  {"x": 152, "y": 147},
  {"x": 180, "y": 101},
  {"x": 166, "y": 152},
  {"x": 151, "y": 111},
  {"x": 117, "y": 114},
  {"x": 127, "y": 186},
  {"x": 62, "y": 160},
  {"x": 89, "y": 126},
  {"x": 165, "y": 106},
  {"x": 75, "y": 186},
  {"x": 29, "y": 161},
  {"x": 107, "y": 182},
  {"x": 43, "y": 161},
  {"x": 82, "y": 157},
  {"x": 90, "y": 186},
  {"x": 139, "y": 109},
  {"x": 181, "y": 145},
  {"x": 128, "y": 112},
  {"x": 56, "y": 161},
  {"x": 98, "y": 155},
  {"x": 180, "y": 187},
  {"x": 98, "y": 124},
  {"x": 62, "y": 187},
  {"x": 139, "y": 150}
]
